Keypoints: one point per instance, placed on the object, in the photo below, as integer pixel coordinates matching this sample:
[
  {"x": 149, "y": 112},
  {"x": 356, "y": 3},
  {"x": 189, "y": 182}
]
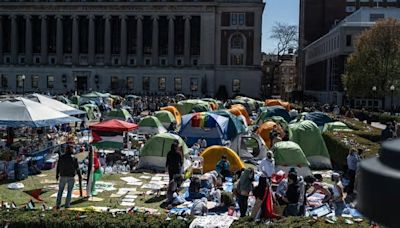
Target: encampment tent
[
  {"x": 218, "y": 103},
  {"x": 151, "y": 125},
  {"x": 109, "y": 134},
  {"x": 121, "y": 114},
  {"x": 274, "y": 102},
  {"x": 289, "y": 154},
  {"x": 54, "y": 104},
  {"x": 154, "y": 153},
  {"x": 319, "y": 118},
  {"x": 213, "y": 154},
  {"x": 249, "y": 145},
  {"x": 114, "y": 126},
  {"x": 190, "y": 106},
  {"x": 266, "y": 128},
  {"x": 21, "y": 112},
  {"x": 242, "y": 111},
  {"x": 235, "y": 125},
  {"x": 92, "y": 111},
  {"x": 307, "y": 134},
  {"x": 336, "y": 126},
  {"x": 270, "y": 111},
  {"x": 165, "y": 117},
  {"x": 174, "y": 112},
  {"x": 212, "y": 127}
]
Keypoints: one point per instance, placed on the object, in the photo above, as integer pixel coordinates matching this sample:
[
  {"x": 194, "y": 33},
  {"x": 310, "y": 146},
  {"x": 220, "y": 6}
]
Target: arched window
[{"x": 237, "y": 42}]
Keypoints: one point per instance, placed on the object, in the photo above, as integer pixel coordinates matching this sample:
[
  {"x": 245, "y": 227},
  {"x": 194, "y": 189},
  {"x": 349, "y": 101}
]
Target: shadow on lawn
[{"x": 156, "y": 199}]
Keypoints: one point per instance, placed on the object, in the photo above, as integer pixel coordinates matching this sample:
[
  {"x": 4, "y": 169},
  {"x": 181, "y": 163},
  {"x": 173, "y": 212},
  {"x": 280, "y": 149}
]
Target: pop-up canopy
[
  {"x": 114, "y": 126},
  {"x": 54, "y": 104},
  {"x": 21, "y": 112}
]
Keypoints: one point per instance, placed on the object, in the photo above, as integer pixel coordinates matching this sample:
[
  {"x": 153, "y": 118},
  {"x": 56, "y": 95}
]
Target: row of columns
[{"x": 91, "y": 40}]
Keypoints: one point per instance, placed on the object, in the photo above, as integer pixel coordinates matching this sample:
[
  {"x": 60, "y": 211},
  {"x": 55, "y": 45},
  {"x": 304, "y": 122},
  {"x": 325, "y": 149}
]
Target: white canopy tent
[
  {"x": 54, "y": 104},
  {"x": 21, "y": 112}
]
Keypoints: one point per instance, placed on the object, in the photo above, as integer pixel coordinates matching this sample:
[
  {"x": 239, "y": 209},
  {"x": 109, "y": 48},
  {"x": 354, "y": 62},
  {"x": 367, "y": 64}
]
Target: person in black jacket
[
  {"x": 67, "y": 168},
  {"x": 174, "y": 160}
]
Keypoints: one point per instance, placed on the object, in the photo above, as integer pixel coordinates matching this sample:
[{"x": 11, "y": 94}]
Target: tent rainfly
[
  {"x": 114, "y": 126},
  {"x": 54, "y": 104}
]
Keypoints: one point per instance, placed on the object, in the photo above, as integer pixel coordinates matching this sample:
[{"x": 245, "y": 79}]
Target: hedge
[
  {"x": 69, "y": 219},
  {"x": 375, "y": 116},
  {"x": 363, "y": 130}
]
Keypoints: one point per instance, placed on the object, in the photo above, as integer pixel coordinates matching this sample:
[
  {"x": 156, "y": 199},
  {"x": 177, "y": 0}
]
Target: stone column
[
  {"x": 257, "y": 38},
  {"x": 107, "y": 40},
  {"x": 187, "y": 41},
  {"x": 139, "y": 40},
  {"x": 43, "y": 40},
  {"x": 1, "y": 40},
  {"x": 154, "y": 43},
  {"x": 14, "y": 39},
  {"x": 28, "y": 39},
  {"x": 60, "y": 42},
  {"x": 75, "y": 40},
  {"x": 91, "y": 41},
  {"x": 124, "y": 47},
  {"x": 171, "y": 40}
]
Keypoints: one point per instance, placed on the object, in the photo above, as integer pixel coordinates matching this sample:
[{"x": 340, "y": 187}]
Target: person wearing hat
[
  {"x": 338, "y": 197},
  {"x": 223, "y": 167}
]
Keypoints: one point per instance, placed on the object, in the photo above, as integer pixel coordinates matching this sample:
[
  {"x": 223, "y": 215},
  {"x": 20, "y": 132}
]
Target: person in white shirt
[{"x": 267, "y": 166}]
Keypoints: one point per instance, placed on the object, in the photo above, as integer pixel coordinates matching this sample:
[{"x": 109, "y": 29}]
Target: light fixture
[
  {"x": 374, "y": 88},
  {"x": 392, "y": 88}
]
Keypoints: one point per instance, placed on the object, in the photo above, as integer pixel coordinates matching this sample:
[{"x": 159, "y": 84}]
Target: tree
[
  {"x": 286, "y": 37},
  {"x": 376, "y": 61}
]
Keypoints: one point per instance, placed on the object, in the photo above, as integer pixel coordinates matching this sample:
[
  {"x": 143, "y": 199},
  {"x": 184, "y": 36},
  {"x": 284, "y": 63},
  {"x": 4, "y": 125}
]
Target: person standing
[
  {"x": 174, "y": 161},
  {"x": 244, "y": 187},
  {"x": 67, "y": 168},
  {"x": 292, "y": 196},
  {"x": 338, "y": 198},
  {"x": 352, "y": 163},
  {"x": 267, "y": 167}
]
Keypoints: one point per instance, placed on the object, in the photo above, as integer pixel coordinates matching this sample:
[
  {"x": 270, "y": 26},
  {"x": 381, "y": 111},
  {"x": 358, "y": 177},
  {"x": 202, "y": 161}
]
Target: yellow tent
[
  {"x": 213, "y": 154},
  {"x": 174, "y": 112}
]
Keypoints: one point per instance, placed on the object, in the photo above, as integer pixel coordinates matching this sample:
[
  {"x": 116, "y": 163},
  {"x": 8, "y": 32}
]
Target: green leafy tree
[{"x": 376, "y": 60}]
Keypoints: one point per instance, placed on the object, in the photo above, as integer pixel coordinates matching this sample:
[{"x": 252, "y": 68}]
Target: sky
[{"x": 286, "y": 11}]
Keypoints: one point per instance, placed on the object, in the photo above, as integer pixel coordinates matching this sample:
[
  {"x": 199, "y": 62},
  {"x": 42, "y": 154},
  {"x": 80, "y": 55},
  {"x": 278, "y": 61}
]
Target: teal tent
[{"x": 307, "y": 134}]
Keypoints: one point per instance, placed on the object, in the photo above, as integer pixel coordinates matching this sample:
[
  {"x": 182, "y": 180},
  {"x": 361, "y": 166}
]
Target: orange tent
[
  {"x": 265, "y": 129},
  {"x": 174, "y": 112},
  {"x": 214, "y": 106},
  {"x": 242, "y": 111},
  {"x": 275, "y": 102}
]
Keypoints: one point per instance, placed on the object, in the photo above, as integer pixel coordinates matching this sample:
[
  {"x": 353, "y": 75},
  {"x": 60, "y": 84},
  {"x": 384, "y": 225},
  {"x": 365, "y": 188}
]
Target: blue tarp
[
  {"x": 270, "y": 111},
  {"x": 319, "y": 118}
]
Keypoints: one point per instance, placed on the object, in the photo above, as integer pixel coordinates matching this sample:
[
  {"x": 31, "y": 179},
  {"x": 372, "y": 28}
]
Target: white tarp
[
  {"x": 21, "y": 112},
  {"x": 54, "y": 104}
]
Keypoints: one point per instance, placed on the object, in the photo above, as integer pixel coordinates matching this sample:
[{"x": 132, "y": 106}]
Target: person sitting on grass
[
  {"x": 194, "y": 189},
  {"x": 174, "y": 185},
  {"x": 322, "y": 189},
  {"x": 223, "y": 167}
]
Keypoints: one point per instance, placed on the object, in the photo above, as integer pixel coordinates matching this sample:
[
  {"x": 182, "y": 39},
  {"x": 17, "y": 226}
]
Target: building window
[
  {"x": 237, "y": 59},
  {"x": 37, "y": 60},
  {"x": 35, "y": 81},
  {"x": 114, "y": 82},
  {"x": 20, "y": 80},
  {"x": 4, "y": 81},
  {"x": 237, "y": 18},
  {"x": 376, "y": 17},
  {"x": 348, "y": 40},
  {"x": 179, "y": 62},
  {"x": 132, "y": 61},
  {"x": 129, "y": 83},
  {"x": 237, "y": 42},
  {"x": 147, "y": 62},
  {"x": 161, "y": 84},
  {"x": 195, "y": 62},
  {"x": 194, "y": 84},
  {"x": 236, "y": 86},
  {"x": 146, "y": 84},
  {"x": 163, "y": 62},
  {"x": 178, "y": 84},
  {"x": 50, "y": 81}
]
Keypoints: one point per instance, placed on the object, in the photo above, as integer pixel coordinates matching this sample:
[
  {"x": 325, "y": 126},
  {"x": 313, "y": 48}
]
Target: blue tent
[
  {"x": 319, "y": 118},
  {"x": 212, "y": 127},
  {"x": 270, "y": 111},
  {"x": 235, "y": 124}
]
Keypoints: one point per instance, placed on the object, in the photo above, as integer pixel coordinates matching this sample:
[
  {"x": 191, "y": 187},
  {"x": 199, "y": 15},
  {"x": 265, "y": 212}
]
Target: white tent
[
  {"x": 21, "y": 112},
  {"x": 54, "y": 104}
]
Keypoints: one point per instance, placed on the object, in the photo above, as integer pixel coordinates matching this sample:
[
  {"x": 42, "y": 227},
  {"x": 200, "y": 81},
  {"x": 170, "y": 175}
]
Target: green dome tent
[
  {"x": 92, "y": 111},
  {"x": 151, "y": 125},
  {"x": 288, "y": 154},
  {"x": 165, "y": 117},
  {"x": 336, "y": 126},
  {"x": 307, "y": 134},
  {"x": 188, "y": 106},
  {"x": 75, "y": 100},
  {"x": 121, "y": 114},
  {"x": 153, "y": 155}
]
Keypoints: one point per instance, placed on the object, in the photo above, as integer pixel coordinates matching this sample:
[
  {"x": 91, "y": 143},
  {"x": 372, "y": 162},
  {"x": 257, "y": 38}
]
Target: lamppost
[
  {"x": 23, "y": 84},
  {"x": 76, "y": 86},
  {"x": 373, "y": 94},
  {"x": 392, "y": 88}
]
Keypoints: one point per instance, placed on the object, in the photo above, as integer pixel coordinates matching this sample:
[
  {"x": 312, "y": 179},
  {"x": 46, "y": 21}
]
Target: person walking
[
  {"x": 244, "y": 187},
  {"x": 174, "y": 161},
  {"x": 67, "y": 168}
]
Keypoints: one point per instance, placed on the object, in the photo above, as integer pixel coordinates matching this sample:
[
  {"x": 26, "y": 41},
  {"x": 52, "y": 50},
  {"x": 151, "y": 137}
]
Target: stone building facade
[{"x": 136, "y": 47}]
